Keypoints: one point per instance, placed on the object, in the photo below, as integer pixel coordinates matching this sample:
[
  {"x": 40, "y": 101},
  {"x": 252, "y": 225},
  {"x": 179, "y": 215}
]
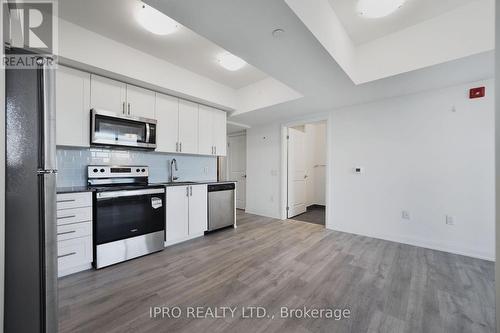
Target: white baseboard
[
  {"x": 423, "y": 243},
  {"x": 73, "y": 270},
  {"x": 182, "y": 240}
]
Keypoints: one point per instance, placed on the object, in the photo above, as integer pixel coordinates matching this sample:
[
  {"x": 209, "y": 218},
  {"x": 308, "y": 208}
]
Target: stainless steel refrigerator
[{"x": 30, "y": 228}]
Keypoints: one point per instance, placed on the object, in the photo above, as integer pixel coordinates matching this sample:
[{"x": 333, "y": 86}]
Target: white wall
[
  {"x": 89, "y": 51},
  {"x": 263, "y": 170},
  {"x": 464, "y": 31},
  {"x": 418, "y": 156},
  {"x": 421, "y": 156},
  {"x": 262, "y": 94},
  {"x": 497, "y": 167}
]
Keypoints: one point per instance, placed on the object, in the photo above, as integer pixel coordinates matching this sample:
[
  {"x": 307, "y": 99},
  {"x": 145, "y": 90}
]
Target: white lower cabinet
[
  {"x": 186, "y": 216},
  {"x": 74, "y": 232}
]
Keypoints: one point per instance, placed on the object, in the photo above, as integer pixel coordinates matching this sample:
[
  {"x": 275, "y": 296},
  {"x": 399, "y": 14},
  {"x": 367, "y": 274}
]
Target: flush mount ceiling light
[
  {"x": 378, "y": 8},
  {"x": 231, "y": 62},
  {"x": 155, "y": 21}
]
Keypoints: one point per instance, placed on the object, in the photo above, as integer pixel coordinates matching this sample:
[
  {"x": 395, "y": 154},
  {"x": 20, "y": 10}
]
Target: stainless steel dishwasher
[{"x": 221, "y": 206}]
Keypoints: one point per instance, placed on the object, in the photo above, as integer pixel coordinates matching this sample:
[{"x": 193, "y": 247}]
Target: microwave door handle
[{"x": 148, "y": 133}]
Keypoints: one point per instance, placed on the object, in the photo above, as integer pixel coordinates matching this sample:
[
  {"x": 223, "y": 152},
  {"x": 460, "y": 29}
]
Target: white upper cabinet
[
  {"x": 72, "y": 107},
  {"x": 167, "y": 130},
  {"x": 140, "y": 102},
  {"x": 206, "y": 131},
  {"x": 188, "y": 127},
  {"x": 220, "y": 132},
  {"x": 121, "y": 98},
  {"x": 182, "y": 126},
  {"x": 107, "y": 94},
  {"x": 212, "y": 131}
]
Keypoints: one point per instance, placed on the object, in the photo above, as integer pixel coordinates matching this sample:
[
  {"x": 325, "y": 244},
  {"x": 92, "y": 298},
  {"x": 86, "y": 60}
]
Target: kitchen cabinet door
[
  {"x": 177, "y": 223},
  {"x": 72, "y": 107},
  {"x": 167, "y": 116},
  {"x": 198, "y": 221},
  {"x": 206, "y": 131},
  {"x": 220, "y": 132},
  {"x": 107, "y": 94},
  {"x": 140, "y": 102},
  {"x": 188, "y": 127}
]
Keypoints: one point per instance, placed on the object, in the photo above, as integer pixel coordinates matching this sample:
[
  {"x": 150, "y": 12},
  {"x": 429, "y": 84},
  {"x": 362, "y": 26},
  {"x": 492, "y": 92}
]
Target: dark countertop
[{"x": 76, "y": 189}]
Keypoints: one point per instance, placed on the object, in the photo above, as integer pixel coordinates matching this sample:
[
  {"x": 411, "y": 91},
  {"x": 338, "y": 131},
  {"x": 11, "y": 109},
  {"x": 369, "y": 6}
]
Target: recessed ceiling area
[
  {"x": 115, "y": 19},
  {"x": 362, "y": 30}
]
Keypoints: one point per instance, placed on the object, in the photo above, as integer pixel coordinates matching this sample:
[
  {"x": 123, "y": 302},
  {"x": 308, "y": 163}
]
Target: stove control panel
[{"x": 105, "y": 171}]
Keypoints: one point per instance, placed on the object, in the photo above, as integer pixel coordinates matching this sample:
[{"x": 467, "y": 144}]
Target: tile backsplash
[{"x": 72, "y": 164}]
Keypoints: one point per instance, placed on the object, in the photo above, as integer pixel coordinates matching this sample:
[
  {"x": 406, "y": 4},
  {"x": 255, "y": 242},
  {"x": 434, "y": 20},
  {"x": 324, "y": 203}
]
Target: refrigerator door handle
[
  {"x": 48, "y": 171},
  {"x": 49, "y": 119}
]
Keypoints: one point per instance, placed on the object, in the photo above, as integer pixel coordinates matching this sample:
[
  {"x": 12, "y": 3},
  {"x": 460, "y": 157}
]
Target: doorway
[
  {"x": 237, "y": 165},
  {"x": 306, "y": 172}
]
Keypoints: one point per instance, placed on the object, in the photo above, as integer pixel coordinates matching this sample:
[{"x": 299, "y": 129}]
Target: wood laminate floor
[{"x": 388, "y": 287}]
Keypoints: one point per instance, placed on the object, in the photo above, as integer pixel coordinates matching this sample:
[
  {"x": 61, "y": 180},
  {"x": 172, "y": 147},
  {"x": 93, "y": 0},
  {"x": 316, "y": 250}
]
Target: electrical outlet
[
  {"x": 450, "y": 220},
  {"x": 405, "y": 215}
]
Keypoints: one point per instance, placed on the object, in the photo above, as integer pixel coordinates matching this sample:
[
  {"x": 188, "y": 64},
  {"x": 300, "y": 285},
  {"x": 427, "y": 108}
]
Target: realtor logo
[{"x": 29, "y": 28}]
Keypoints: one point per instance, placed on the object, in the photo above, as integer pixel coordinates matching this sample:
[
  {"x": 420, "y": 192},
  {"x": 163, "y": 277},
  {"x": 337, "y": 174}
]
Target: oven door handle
[{"x": 129, "y": 193}]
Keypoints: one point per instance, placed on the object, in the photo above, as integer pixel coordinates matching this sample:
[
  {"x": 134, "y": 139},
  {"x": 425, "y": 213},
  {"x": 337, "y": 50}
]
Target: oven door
[
  {"x": 111, "y": 130},
  {"x": 128, "y": 213}
]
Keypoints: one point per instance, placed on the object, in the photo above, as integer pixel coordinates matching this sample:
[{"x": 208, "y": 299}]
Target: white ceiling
[
  {"x": 115, "y": 19},
  {"x": 362, "y": 30},
  {"x": 300, "y": 61}
]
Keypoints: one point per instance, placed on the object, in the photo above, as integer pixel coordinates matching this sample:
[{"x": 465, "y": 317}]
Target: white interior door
[
  {"x": 237, "y": 164},
  {"x": 296, "y": 173}
]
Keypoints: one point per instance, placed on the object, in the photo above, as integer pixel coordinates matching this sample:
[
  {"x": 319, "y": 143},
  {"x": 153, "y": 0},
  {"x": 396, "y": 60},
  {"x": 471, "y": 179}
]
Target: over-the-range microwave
[{"x": 109, "y": 129}]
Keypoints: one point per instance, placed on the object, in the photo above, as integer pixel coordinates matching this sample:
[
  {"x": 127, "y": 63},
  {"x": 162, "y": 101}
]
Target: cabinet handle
[
  {"x": 180, "y": 147},
  {"x": 215, "y": 150},
  {"x": 129, "y": 109},
  {"x": 177, "y": 146},
  {"x": 66, "y": 217},
  {"x": 212, "y": 150},
  {"x": 190, "y": 191},
  {"x": 66, "y": 255},
  {"x": 68, "y": 200},
  {"x": 66, "y": 233},
  {"x": 123, "y": 108},
  {"x": 187, "y": 191}
]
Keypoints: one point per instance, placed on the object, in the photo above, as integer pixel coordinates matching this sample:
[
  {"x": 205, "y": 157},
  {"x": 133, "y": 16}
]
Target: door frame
[
  {"x": 227, "y": 160},
  {"x": 329, "y": 170}
]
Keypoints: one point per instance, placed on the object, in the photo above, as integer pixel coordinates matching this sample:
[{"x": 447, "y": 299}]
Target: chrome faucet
[{"x": 173, "y": 163}]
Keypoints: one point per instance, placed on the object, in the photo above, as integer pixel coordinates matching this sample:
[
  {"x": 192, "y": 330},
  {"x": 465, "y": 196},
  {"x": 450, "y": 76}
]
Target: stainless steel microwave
[{"x": 109, "y": 129}]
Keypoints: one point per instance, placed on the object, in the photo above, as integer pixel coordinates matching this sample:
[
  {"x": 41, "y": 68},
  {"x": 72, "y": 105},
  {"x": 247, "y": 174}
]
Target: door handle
[
  {"x": 66, "y": 233},
  {"x": 68, "y": 200},
  {"x": 66, "y": 255},
  {"x": 66, "y": 217}
]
